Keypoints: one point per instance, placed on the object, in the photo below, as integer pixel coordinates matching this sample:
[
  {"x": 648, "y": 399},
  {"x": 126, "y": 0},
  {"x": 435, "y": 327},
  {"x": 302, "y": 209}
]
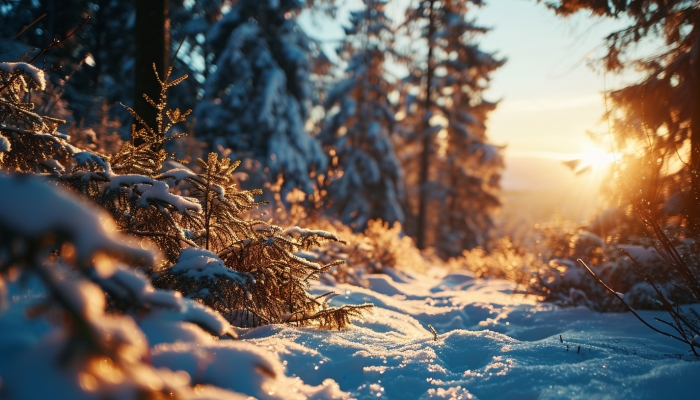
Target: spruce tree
[
  {"x": 422, "y": 19},
  {"x": 458, "y": 173},
  {"x": 366, "y": 181},
  {"x": 257, "y": 95}
]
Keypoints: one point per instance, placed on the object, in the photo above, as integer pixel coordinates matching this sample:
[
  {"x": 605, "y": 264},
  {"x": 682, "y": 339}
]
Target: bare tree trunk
[
  {"x": 693, "y": 203},
  {"x": 152, "y": 45},
  {"x": 427, "y": 136}
]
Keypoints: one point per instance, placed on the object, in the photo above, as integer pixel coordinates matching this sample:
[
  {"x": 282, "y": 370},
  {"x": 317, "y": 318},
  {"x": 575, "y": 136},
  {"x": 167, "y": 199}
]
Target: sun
[{"x": 591, "y": 159}]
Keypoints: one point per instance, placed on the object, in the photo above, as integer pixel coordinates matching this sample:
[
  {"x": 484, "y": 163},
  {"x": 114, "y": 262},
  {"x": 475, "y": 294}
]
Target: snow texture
[{"x": 492, "y": 344}]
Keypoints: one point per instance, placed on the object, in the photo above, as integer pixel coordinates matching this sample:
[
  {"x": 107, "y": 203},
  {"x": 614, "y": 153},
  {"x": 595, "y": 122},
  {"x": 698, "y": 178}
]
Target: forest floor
[{"x": 491, "y": 344}]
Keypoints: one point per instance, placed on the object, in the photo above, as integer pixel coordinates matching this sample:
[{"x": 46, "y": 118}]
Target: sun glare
[
  {"x": 596, "y": 159},
  {"x": 592, "y": 159}
]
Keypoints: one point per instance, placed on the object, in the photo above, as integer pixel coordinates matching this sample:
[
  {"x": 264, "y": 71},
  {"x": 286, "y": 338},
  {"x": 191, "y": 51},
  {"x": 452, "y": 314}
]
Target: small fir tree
[{"x": 248, "y": 270}]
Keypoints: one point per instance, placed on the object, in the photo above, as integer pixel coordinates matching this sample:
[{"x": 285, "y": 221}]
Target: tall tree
[
  {"x": 423, "y": 18},
  {"x": 257, "y": 95},
  {"x": 366, "y": 181},
  {"x": 470, "y": 166},
  {"x": 458, "y": 170}
]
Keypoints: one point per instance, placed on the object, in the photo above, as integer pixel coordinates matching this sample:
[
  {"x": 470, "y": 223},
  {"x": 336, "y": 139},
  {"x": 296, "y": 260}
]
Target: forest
[{"x": 280, "y": 199}]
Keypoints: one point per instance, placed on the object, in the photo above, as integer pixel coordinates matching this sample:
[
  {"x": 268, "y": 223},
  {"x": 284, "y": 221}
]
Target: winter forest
[{"x": 349, "y": 199}]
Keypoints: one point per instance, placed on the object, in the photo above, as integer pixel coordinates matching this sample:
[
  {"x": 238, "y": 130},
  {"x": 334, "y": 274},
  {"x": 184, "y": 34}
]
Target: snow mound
[{"x": 35, "y": 73}]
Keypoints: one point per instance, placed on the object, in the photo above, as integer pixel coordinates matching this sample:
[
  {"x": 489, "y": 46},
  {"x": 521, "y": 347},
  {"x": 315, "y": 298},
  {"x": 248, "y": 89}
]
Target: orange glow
[{"x": 594, "y": 159}]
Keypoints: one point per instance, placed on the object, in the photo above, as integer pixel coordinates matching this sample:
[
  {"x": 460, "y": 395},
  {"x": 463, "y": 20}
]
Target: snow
[
  {"x": 88, "y": 158},
  {"x": 4, "y": 144},
  {"x": 158, "y": 192},
  {"x": 492, "y": 344},
  {"x": 203, "y": 265},
  {"x": 178, "y": 174},
  {"x": 297, "y": 233},
  {"x": 90, "y": 230},
  {"x": 35, "y": 73},
  {"x": 127, "y": 181}
]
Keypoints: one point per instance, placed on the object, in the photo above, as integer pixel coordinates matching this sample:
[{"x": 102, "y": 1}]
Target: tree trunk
[
  {"x": 152, "y": 45},
  {"x": 427, "y": 136},
  {"x": 693, "y": 202}
]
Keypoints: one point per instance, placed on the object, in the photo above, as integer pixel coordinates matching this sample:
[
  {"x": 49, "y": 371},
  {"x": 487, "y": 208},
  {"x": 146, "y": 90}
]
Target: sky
[
  {"x": 549, "y": 98},
  {"x": 551, "y": 95}
]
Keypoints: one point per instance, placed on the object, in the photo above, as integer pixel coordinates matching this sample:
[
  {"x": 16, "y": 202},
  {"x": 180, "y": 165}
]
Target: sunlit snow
[{"x": 492, "y": 344}]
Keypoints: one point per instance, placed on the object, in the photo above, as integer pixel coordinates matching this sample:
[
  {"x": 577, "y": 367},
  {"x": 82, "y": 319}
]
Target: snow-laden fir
[{"x": 365, "y": 181}]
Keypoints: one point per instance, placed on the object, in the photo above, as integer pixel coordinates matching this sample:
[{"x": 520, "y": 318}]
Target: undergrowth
[{"x": 246, "y": 269}]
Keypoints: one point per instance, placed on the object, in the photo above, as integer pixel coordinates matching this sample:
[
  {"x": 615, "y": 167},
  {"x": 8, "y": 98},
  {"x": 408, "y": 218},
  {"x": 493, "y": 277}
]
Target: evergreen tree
[
  {"x": 366, "y": 181},
  {"x": 421, "y": 19},
  {"x": 459, "y": 171},
  {"x": 257, "y": 96}
]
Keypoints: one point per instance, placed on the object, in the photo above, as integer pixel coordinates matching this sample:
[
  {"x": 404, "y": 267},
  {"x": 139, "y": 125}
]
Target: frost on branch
[
  {"x": 27, "y": 140},
  {"x": 246, "y": 269}
]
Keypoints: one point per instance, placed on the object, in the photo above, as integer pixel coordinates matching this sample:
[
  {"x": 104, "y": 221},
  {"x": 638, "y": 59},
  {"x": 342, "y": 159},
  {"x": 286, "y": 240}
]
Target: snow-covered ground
[{"x": 492, "y": 344}]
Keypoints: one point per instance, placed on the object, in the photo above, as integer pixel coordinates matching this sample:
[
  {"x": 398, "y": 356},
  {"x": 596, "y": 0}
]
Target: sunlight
[
  {"x": 592, "y": 159},
  {"x": 596, "y": 159}
]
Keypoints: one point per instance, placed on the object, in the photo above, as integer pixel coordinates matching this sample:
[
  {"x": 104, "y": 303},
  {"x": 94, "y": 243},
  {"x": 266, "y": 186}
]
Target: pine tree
[
  {"x": 257, "y": 95},
  {"x": 366, "y": 181},
  {"x": 457, "y": 164},
  {"x": 421, "y": 19}
]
